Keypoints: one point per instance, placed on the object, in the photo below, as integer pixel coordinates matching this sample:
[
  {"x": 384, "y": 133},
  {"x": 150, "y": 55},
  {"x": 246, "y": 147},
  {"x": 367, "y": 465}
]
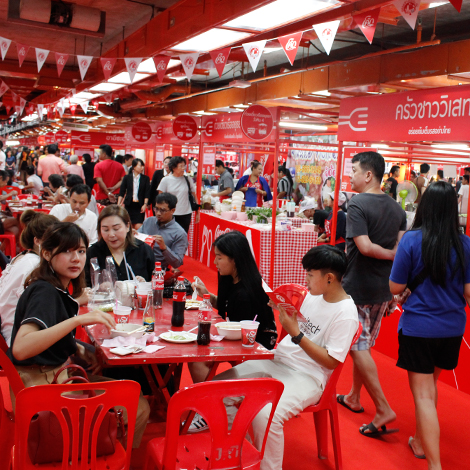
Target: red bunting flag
[
  {"x": 40, "y": 110},
  {"x": 219, "y": 58},
  {"x": 132, "y": 64},
  {"x": 61, "y": 60},
  {"x": 189, "y": 61},
  {"x": 22, "y": 105},
  {"x": 22, "y": 51},
  {"x": 14, "y": 96},
  {"x": 84, "y": 62},
  {"x": 108, "y": 66},
  {"x": 409, "y": 9},
  {"x": 73, "y": 107},
  {"x": 290, "y": 44},
  {"x": 161, "y": 64},
  {"x": 84, "y": 106},
  {"x": 108, "y": 98},
  {"x": 41, "y": 56},
  {"x": 367, "y": 23},
  {"x": 95, "y": 103},
  {"x": 3, "y": 87},
  {"x": 4, "y": 46},
  {"x": 457, "y": 4}
]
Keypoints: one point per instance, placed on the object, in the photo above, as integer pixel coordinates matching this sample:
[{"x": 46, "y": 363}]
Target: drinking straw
[{"x": 254, "y": 319}]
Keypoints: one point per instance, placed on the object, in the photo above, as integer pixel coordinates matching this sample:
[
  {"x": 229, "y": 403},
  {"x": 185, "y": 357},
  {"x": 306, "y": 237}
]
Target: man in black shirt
[
  {"x": 392, "y": 183},
  {"x": 156, "y": 178}
]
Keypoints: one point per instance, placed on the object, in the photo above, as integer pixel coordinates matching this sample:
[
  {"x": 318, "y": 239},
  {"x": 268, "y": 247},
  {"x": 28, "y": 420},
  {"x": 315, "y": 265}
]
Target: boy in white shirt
[{"x": 306, "y": 357}]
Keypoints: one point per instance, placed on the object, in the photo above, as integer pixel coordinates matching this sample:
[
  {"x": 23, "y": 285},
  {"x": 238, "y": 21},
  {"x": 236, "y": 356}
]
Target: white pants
[{"x": 300, "y": 391}]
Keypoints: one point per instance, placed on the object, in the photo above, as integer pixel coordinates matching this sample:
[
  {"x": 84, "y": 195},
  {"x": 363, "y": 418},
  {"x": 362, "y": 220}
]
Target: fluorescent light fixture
[
  {"x": 321, "y": 92},
  {"x": 32, "y": 117},
  {"x": 240, "y": 106},
  {"x": 148, "y": 66},
  {"x": 106, "y": 87},
  {"x": 125, "y": 78},
  {"x": 210, "y": 40},
  {"x": 450, "y": 146},
  {"x": 436, "y": 4},
  {"x": 239, "y": 84},
  {"x": 381, "y": 146},
  {"x": 277, "y": 13},
  {"x": 205, "y": 113},
  {"x": 83, "y": 95},
  {"x": 300, "y": 125},
  {"x": 13, "y": 142}
]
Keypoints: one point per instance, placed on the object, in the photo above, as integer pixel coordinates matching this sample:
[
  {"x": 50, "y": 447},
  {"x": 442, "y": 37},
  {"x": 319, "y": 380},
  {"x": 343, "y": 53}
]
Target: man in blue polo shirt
[{"x": 171, "y": 241}]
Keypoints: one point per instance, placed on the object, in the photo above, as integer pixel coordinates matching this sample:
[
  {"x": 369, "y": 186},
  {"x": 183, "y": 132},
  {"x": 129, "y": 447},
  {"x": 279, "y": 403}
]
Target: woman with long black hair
[
  {"x": 285, "y": 184},
  {"x": 433, "y": 260}
]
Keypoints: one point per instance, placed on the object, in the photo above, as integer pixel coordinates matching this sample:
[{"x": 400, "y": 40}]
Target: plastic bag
[{"x": 102, "y": 281}]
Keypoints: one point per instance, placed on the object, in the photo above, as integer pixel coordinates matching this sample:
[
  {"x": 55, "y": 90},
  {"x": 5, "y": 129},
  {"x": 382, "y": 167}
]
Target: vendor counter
[{"x": 289, "y": 247}]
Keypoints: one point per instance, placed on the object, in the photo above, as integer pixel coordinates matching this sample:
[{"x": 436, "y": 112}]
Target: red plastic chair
[
  {"x": 7, "y": 419},
  {"x": 9, "y": 189},
  {"x": 100, "y": 207},
  {"x": 10, "y": 238},
  {"x": 121, "y": 393},
  {"x": 26, "y": 196},
  {"x": 217, "y": 449},
  {"x": 320, "y": 411}
]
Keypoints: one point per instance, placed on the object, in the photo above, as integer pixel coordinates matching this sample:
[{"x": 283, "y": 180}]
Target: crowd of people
[{"x": 347, "y": 284}]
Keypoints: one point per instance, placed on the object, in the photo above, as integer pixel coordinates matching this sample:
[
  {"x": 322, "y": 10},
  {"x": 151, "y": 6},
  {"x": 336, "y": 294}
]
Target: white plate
[{"x": 190, "y": 337}]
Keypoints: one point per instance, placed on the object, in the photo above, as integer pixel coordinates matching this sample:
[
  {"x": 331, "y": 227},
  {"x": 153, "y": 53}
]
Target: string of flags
[{"x": 326, "y": 32}]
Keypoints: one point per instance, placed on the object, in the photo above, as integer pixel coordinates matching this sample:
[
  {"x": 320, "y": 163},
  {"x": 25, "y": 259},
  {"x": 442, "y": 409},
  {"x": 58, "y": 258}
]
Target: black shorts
[{"x": 422, "y": 355}]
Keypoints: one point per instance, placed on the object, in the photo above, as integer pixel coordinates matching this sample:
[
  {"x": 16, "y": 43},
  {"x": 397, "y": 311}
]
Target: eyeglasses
[{"x": 162, "y": 211}]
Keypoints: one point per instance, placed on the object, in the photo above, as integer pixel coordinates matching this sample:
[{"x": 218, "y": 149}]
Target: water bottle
[
  {"x": 157, "y": 285},
  {"x": 204, "y": 321},
  {"x": 149, "y": 313},
  {"x": 179, "y": 301},
  {"x": 291, "y": 209}
]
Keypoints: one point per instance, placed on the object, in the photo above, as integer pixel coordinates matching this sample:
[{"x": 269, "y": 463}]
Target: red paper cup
[
  {"x": 142, "y": 299},
  {"x": 249, "y": 329},
  {"x": 121, "y": 314}
]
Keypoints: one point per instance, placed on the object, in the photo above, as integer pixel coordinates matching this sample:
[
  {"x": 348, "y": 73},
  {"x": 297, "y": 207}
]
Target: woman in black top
[
  {"x": 88, "y": 169},
  {"x": 115, "y": 239},
  {"x": 135, "y": 193}
]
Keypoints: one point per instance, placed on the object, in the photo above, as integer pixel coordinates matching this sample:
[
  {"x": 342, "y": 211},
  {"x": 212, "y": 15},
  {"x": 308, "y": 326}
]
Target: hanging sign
[
  {"x": 367, "y": 23},
  {"x": 189, "y": 61},
  {"x": 41, "y": 56},
  {"x": 61, "y": 60},
  {"x": 141, "y": 131},
  {"x": 439, "y": 114},
  {"x": 61, "y": 137},
  {"x": 49, "y": 138},
  {"x": 409, "y": 9},
  {"x": 185, "y": 127},
  {"x": 159, "y": 157},
  {"x": 4, "y": 46},
  {"x": 132, "y": 64},
  {"x": 161, "y": 64},
  {"x": 208, "y": 161},
  {"x": 253, "y": 51},
  {"x": 290, "y": 44},
  {"x": 84, "y": 62},
  {"x": 108, "y": 65},
  {"x": 257, "y": 122},
  {"x": 219, "y": 58},
  {"x": 78, "y": 138},
  {"x": 326, "y": 33},
  {"x": 348, "y": 154},
  {"x": 22, "y": 51}
]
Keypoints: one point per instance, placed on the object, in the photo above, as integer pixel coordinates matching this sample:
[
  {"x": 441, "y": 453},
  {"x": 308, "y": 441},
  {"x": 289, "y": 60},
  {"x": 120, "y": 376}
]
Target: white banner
[
  {"x": 253, "y": 51},
  {"x": 326, "y": 32}
]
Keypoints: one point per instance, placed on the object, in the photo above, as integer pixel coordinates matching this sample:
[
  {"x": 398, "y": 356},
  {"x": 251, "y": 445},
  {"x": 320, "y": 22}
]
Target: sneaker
[{"x": 198, "y": 424}]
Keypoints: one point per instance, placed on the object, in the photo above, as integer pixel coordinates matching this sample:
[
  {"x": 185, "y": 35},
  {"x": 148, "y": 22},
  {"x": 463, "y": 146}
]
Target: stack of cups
[
  {"x": 142, "y": 290},
  {"x": 237, "y": 202},
  {"x": 121, "y": 314},
  {"x": 249, "y": 330}
]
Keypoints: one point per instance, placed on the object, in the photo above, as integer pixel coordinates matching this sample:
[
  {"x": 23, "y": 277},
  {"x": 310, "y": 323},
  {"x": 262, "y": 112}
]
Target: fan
[{"x": 408, "y": 192}]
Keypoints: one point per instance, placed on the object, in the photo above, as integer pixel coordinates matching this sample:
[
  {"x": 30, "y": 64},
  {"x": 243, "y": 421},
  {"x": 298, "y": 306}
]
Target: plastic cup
[
  {"x": 142, "y": 298},
  {"x": 249, "y": 329},
  {"x": 121, "y": 314}
]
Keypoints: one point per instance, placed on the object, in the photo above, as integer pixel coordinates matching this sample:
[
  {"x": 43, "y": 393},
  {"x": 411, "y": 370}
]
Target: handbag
[
  {"x": 194, "y": 205},
  {"x": 45, "y": 443},
  {"x": 400, "y": 299}
]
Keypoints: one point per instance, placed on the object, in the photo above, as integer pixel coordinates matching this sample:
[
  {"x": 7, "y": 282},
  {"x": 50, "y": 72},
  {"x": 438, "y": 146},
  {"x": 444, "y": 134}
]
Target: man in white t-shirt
[
  {"x": 306, "y": 357},
  {"x": 34, "y": 182},
  {"x": 463, "y": 199},
  {"x": 3, "y": 157},
  {"x": 78, "y": 213}
]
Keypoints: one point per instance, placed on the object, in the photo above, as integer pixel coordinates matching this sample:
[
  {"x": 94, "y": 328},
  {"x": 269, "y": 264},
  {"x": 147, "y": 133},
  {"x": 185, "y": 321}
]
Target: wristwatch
[{"x": 298, "y": 338}]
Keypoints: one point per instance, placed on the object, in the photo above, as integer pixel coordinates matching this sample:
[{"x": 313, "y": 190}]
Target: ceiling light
[
  {"x": 277, "y": 13},
  {"x": 125, "y": 78},
  {"x": 83, "y": 95},
  {"x": 210, "y": 40},
  {"x": 436, "y": 4},
  {"x": 450, "y": 146},
  {"x": 322, "y": 92},
  {"x": 106, "y": 87},
  {"x": 12, "y": 142},
  {"x": 205, "y": 113},
  {"x": 300, "y": 125},
  {"x": 240, "y": 106}
]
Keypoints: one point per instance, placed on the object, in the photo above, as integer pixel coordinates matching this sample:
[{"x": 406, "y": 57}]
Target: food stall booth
[{"x": 411, "y": 127}]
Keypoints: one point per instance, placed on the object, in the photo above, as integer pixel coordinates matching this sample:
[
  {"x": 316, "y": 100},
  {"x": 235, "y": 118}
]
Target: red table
[
  {"x": 17, "y": 211},
  {"x": 175, "y": 355}
]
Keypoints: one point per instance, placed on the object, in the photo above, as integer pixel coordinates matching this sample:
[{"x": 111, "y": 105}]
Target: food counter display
[{"x": 290, "y": 246}]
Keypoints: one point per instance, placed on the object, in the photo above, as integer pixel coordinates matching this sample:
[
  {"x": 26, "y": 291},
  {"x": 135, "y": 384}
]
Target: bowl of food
[
  {"x": 128, "y": 329},
  {"x": 231, "y": 330}
]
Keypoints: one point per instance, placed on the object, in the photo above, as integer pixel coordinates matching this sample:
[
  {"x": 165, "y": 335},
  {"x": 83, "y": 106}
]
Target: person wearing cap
[
  {"x": 307, "y": 208},
  {"x": 340, "y": 222}
]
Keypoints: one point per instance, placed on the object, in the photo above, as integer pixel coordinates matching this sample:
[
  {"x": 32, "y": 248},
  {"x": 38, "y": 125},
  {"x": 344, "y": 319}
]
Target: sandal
[{"x": 370, "y": 430}]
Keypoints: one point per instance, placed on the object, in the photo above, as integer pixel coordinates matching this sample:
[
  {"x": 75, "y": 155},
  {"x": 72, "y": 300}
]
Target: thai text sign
[{"x": 439, "y": 114}]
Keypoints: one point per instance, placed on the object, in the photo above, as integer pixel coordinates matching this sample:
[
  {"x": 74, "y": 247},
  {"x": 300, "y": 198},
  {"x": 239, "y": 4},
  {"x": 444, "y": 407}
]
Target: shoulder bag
[
  {"x": 400, "y": 299},
  {"x": 194, "y": 205}
]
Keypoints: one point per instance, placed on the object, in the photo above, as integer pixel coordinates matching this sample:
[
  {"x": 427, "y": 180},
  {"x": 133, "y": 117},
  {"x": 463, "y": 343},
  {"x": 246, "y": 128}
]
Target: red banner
[
  {"x": 185, "y": 127},
  {"x": 290, "y": 44},
  {"x": 79, "y": 139},
  {"x": 438, "y": 114},
  {"x": 219, "y": 58},
  {"x": 367, "y": 23},
  {"x": 108, "y": 65},
  {"x": 161, "y": 64}
]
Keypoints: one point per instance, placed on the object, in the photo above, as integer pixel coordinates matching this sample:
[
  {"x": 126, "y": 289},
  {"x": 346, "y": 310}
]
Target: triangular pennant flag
[
  {"x": 8, "y": 107},
  {"x": 326, "y": 32},
  {"x": 253, "y": 51},
  {"x": 161, "y": 64},
  {"x": 457, "y": 4},
  {"x": 132, "y": 64},
  {"x": 189, "y": 61},
  {"x": 40, "y": 110},
  {"x": 60, "y": 108},
  {"x": 367, "y": 23},
  {"x": 108, "y": 66},
  {"x": 409, "y": 9},
  {"x": 73, "y": 107},
  {"x": 17, "y": 110},
  {"x": 4, "y": 46},
  {"x": 84, "y": 62},
  {"x": 290, "y": 44},
  {"x": 21, "y": 106},
  {"x": 14, "y": 97},
  {"x": 84, "y": 106},
  {"x": 61, "y": 60},
  {"x": 108, "y": 98},
  {"x": 3, "y": 87},
  {"x": 41, "y": 56},
  {"x": 219, "y": 58},
  {"x": 22, "y": 51}
]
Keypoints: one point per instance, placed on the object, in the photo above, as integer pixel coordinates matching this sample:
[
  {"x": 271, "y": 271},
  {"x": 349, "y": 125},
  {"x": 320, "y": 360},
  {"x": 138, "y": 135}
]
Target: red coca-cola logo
[
  {"x": 61, "y": 60},
  {"x": 22, "y": 51},
  {"x": 326, "y": 32},
  {"x": 108, "y": 65},
  {"x": 409, "y": 7},
  {"x": 291, "y": 44},
  {"x": 254, "y": 52},
  {"x": 189, "y": 62}
]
